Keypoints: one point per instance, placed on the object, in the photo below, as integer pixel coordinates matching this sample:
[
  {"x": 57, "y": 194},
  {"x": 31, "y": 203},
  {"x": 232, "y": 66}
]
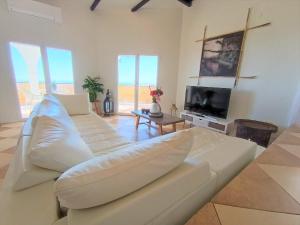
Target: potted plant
[{"x": 93, "y": 86}]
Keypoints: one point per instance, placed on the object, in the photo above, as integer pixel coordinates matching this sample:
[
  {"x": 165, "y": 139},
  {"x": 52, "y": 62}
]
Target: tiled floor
[
  {"x": 8, "y": 140},
  {"x": 267, "y": 192},
  {"x": 124, "y": 125}
]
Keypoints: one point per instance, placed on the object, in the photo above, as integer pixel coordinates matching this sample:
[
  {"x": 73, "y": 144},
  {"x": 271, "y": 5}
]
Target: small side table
[
  {"x": 162, "y": 121},
  {"x": 257, "y": 131}
]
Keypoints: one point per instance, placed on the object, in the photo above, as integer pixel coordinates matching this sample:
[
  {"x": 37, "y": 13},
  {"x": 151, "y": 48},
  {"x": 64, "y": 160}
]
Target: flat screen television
[{"x": 207, "y": 101}]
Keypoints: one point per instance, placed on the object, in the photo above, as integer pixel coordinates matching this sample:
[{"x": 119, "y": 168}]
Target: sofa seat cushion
[
  {"x": 101, "y": 180},
  {"x": 34, "y": 206},
  {"x": 98, "y": 134},
  {"x": 148, "y": 203},
  {"x": 56, "y": 145},
  {"x": 226, "y": 155}
]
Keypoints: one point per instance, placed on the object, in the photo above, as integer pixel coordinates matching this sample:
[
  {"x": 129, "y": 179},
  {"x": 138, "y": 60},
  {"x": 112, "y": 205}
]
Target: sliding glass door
[
  {"x": 29, "y": 75},
  {"x": 60, "y": 70},
  {"x": 126, "y": 83},
  {"x": 147, "y": 79},
  {"x": 37, "y": 73},
  {"x": 136, "y": 75}
]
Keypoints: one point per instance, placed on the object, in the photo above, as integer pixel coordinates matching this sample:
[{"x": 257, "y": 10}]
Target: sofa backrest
[{"x": 75, "y": 104}]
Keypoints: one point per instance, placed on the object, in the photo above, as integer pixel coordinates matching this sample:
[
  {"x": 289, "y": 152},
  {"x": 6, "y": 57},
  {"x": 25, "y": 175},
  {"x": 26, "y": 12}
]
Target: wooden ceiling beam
[
  {"x": 188, "y": 3},
  {"x": 94, "y": 5},
  {"x": 139, "y": 5}
]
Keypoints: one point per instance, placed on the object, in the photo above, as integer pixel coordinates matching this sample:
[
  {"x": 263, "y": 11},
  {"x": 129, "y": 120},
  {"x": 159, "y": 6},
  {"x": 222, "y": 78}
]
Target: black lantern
[{"x": 108, "y": 104}]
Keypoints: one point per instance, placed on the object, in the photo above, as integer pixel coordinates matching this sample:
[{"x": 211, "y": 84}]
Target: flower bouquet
[{"x": 155, "y": 109}]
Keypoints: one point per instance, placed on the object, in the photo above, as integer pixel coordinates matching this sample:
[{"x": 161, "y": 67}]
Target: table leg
[
  {"x": 174, "y": 127},
  {"x": 137, "y": 122},
  {"x": 160, "y": 129}
]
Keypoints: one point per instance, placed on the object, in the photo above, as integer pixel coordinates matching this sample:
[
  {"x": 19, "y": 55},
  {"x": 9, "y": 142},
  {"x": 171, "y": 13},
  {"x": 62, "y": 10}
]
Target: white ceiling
[{"x": 169, "y": 4}]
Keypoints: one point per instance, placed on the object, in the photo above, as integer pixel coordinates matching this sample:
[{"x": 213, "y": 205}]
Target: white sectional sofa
[{"x": 214, "y": 159}]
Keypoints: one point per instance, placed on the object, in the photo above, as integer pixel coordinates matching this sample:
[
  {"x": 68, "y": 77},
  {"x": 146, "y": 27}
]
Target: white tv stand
[{"x": 216, "y": 124}]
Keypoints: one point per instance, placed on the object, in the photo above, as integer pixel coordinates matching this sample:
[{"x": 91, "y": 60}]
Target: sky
[
  {"x": 59, "y": 61},
  {"x": 148, "y": 67}
]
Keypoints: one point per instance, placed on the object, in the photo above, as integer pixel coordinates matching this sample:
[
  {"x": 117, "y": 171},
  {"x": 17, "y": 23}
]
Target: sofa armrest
[
  {"x": 149, "y": 202},
  {"x": 34, "y": 206}
]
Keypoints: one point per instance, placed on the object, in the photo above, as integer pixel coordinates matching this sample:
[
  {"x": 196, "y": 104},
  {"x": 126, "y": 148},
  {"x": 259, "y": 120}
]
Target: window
[
  {"x": 29, "y": 75},
  {"x": 33, "y": 81},
  {"x": 137, "y": 73},
  {"x": 60, "y": 70},
  {"x": 148, "y": 67}
]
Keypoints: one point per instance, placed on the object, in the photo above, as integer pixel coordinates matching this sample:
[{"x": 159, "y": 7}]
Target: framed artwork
[{"x": 221, "y": 55}]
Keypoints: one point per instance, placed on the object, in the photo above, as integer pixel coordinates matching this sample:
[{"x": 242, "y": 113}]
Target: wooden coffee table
[{"x": 163, "y": 121}]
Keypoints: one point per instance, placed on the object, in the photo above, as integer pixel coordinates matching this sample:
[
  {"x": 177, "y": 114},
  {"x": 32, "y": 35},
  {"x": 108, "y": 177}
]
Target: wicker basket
[{"x": 257, "y": 131}]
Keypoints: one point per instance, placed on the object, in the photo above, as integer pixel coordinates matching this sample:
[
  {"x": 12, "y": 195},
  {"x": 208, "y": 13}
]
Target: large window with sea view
[
  {"x": 61, "y": 70},
  {"x": 137, "y": 75},
  {"x": 37, "y": 73}
]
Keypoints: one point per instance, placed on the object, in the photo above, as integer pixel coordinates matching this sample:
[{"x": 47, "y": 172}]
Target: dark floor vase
[{"x": 108, "y": 104}]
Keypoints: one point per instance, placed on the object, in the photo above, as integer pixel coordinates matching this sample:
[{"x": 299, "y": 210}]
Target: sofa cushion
[
  {"x": 34, "y": 206},
  {"x": 226, "y": 155},
  {"x": 98, "y": 134},
  {"x": 101, "y": 180},
  {"x": 56, "y": 146},
  {"x": 158, "y": 199},
  {"x": 49, "y": 106},
  {"x": 75, "y": 104},
  {"x": 24, "y": 173},
  {"x": 29, "y": 124}
]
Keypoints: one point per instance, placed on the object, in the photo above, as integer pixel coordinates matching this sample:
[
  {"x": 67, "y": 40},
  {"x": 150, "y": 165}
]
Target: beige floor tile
[
  {"x": 229, "y": 215},
  {"x": 5, "y": 159},
  {"x": 13, "y": 125},
  {"x": 3, "y": 170},
  {"x": 8, "y": 143},
  {"x": 254, "y": 188},
  {"x": 293, "y": 149},
  {"x": 1, "y": 183},
  {"x": 277, "y": 155},
  {"x": 10, "y": 132},
  {"x": 205, "y": 216},
  {"x": 288, "y": 137},
  {"x": 287, "y": 177},
  {"x": 296, "y": 134}
]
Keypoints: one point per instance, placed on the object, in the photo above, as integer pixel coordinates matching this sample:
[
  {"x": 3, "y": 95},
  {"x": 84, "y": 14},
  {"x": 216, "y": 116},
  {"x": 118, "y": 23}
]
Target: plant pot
[{"x": 155, "y": 108}]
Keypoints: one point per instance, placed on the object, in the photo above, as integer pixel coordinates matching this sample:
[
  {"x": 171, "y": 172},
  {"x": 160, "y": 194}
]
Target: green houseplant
[{"x": 93, "y": 87}]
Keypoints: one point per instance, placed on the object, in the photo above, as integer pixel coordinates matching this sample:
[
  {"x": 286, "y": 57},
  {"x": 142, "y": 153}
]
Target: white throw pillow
[
  {"x": 107, "y": 178},
  {"x": 25, "y": 174},
  {"x": 29, "y": 124},
  {"x": 49, "y": 106},
  {"x": 75, "y": 104},
  {"x": 56, "y": 145}
]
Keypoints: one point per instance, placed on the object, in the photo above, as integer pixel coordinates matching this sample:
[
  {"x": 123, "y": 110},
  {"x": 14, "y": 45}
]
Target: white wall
[
  {"x": 295, "y": 112},
  {"x": 272, "y": 53},
  {"x": 95, "y": 39},
  {"x": 75, "y": 33},
  {"x": 148, "y": 32}
]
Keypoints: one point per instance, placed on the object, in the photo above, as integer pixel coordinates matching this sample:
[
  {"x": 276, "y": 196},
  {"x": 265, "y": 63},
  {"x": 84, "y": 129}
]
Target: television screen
[{"x": 207, "y": 101}]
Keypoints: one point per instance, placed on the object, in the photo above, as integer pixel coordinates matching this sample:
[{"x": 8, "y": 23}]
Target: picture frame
[{"x": 221, "y": 55}]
